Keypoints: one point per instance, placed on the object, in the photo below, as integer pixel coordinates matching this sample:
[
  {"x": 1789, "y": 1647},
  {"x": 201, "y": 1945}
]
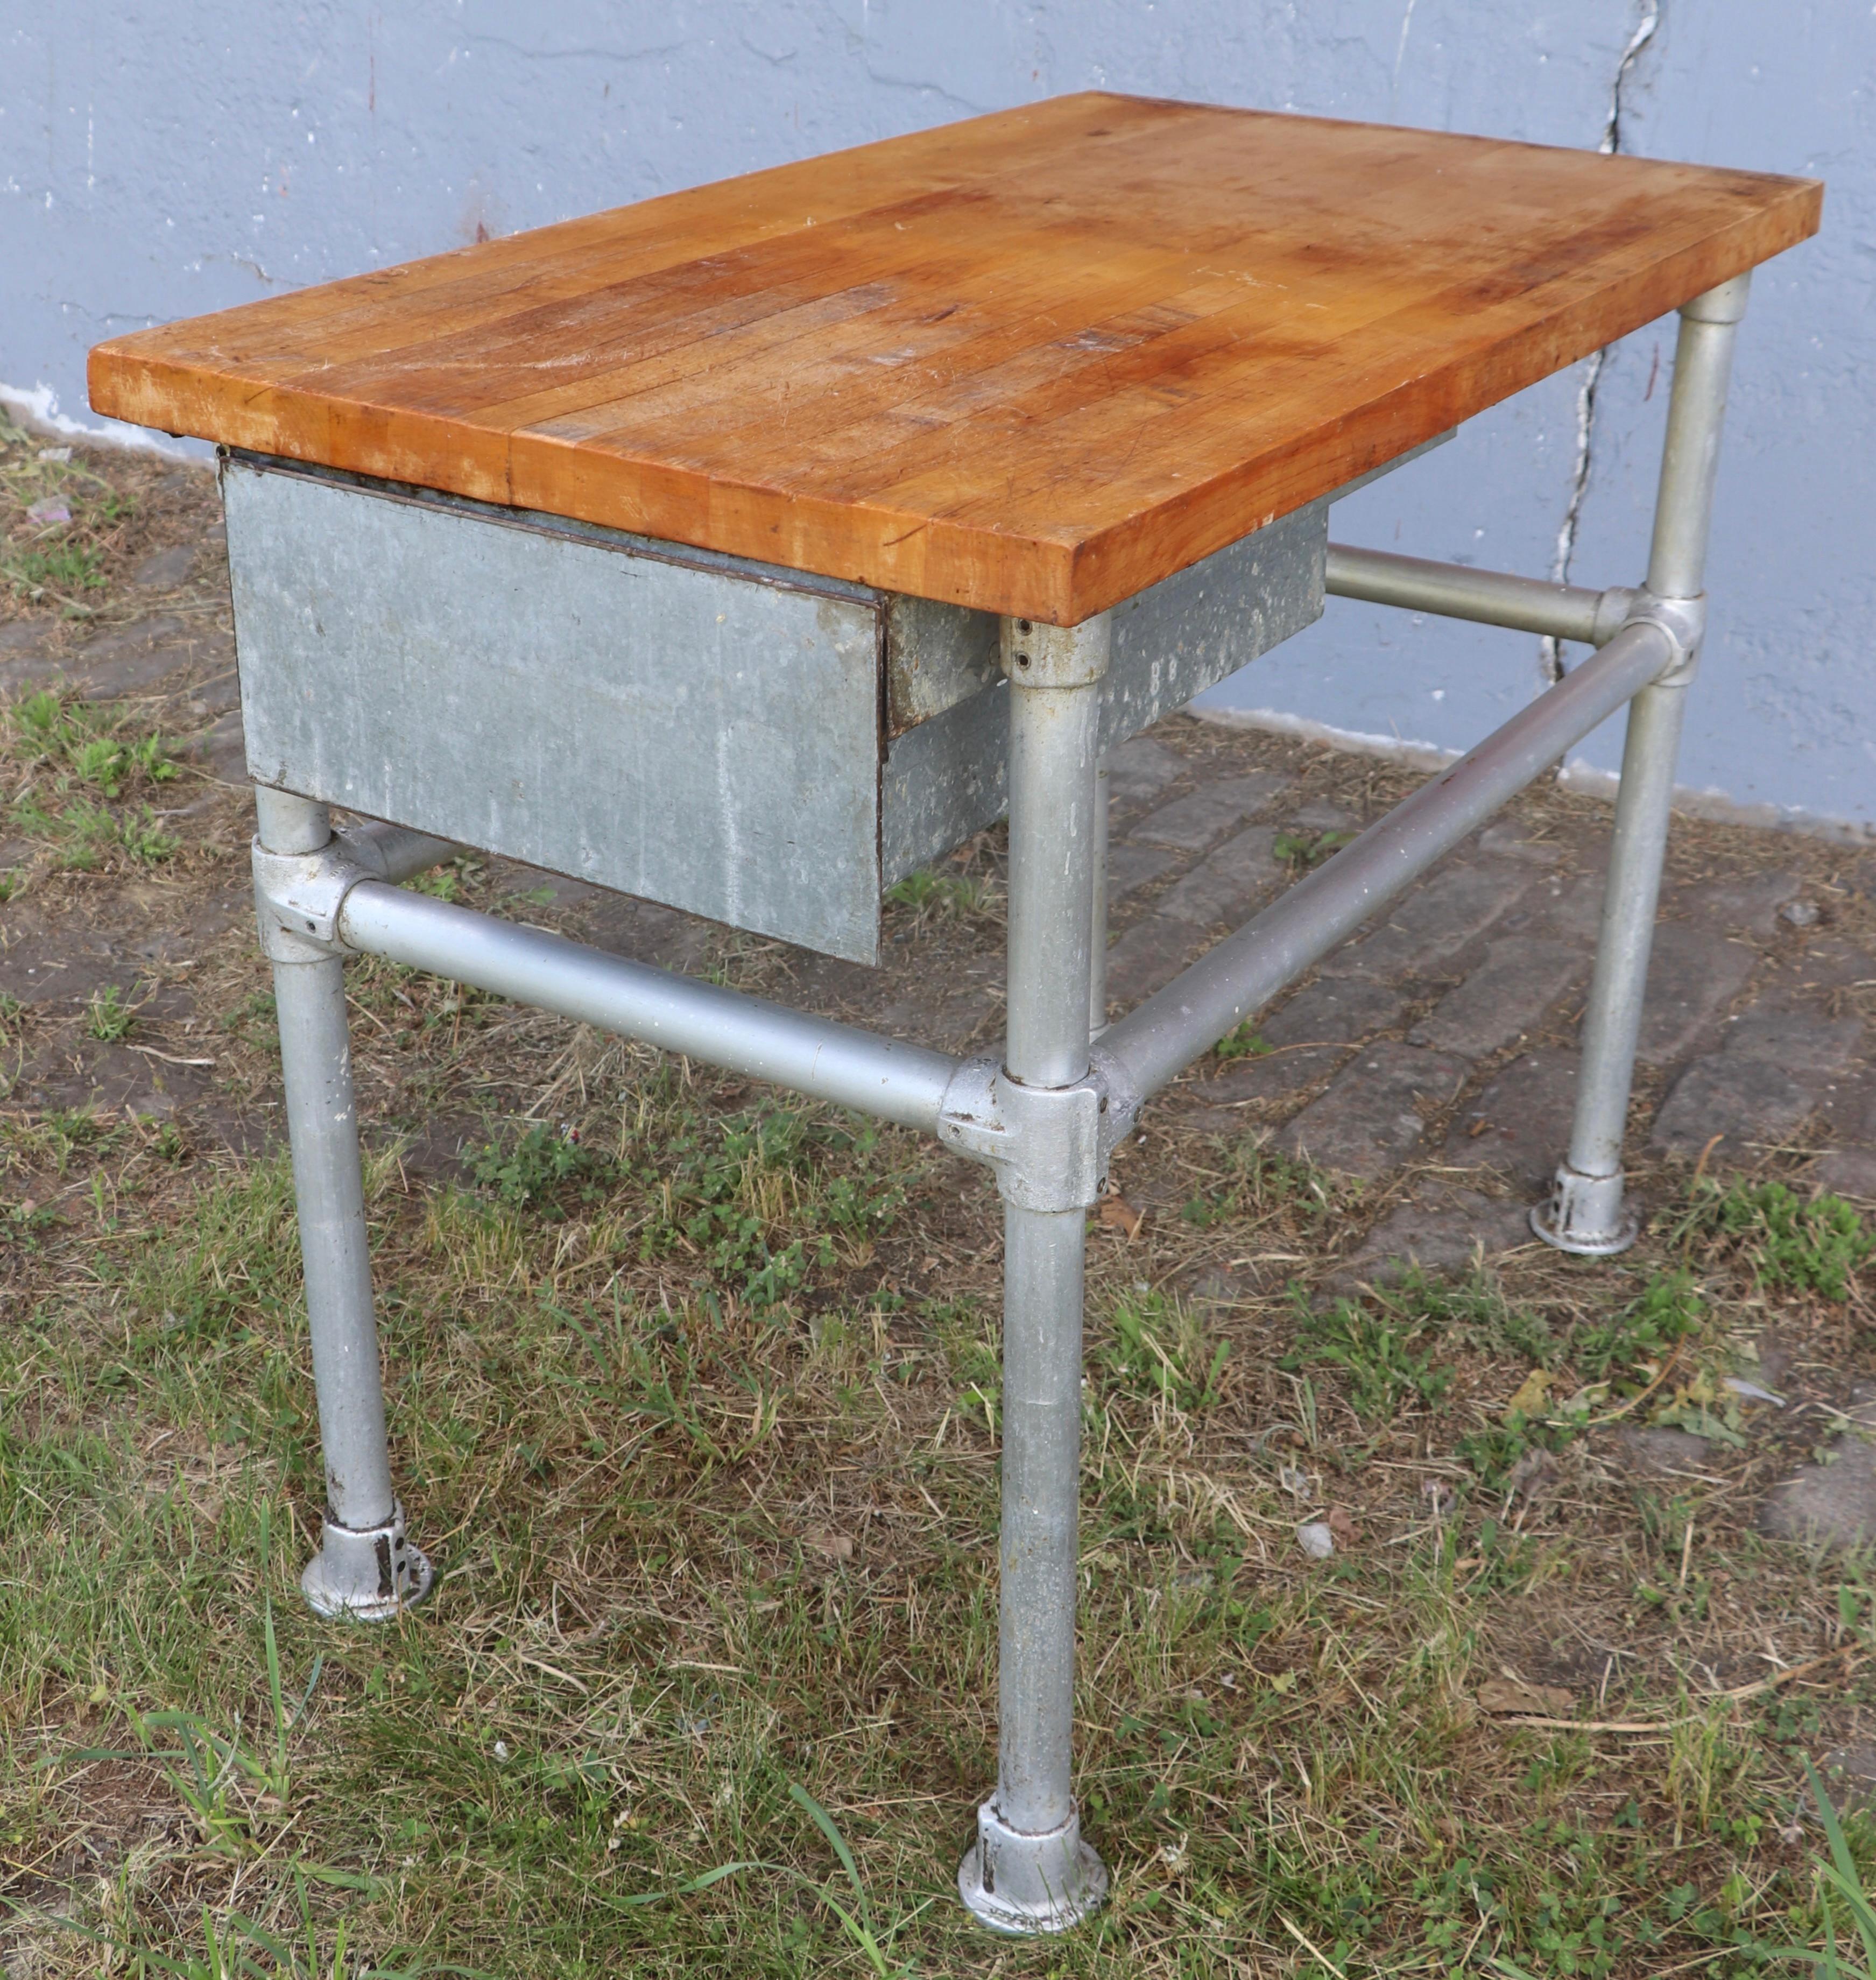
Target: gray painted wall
[{"x": 156, "y": 161}]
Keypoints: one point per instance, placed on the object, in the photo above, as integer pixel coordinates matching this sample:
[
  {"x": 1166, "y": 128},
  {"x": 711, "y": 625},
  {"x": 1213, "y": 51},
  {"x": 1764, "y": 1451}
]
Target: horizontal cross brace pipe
[
  {"x": 750, "y": 1035},
  {"x": 1167, "y": 1033},
  {"x": 1490, "y": 597}
]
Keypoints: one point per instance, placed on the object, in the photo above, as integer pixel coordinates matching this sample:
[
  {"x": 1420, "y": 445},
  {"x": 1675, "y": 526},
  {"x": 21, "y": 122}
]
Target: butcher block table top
[{"x": 1032, "y": 363}]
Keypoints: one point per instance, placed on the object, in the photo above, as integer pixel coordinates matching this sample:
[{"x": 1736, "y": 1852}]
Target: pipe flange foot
[
  {"x": 1024, "y": 1886},
  {"x": 367, "y": 1575},
  {"x": 1589, "y": 1216}
]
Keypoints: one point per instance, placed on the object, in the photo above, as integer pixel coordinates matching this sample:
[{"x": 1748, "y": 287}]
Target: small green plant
[
  {"x": 542, "y": 1167},
  {"x": 947, "y": 894},
  {"x": 1377, "y": 1350},
  {"x": 1306, "y": 849},
  {"x": 1159, "y": 1352},
  {"x": 109, "y": 1018},
  {"x": 1619, "y": 1349},
  {"x": 63, "y": 570},
  {"x": 1789, "y": 1244},
  {"x": 1244, "y": 1042}
]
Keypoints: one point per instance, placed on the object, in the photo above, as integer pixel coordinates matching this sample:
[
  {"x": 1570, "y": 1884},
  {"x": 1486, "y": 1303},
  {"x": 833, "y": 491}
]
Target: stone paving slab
[
  {"x": 1375, "y": 1115},
  {"x": 1518, "y": 982},
  {"x": 1190, "y": 824},
  {"x": 1436, "y": 920},
  {"x": 1519, "y": 1124}
]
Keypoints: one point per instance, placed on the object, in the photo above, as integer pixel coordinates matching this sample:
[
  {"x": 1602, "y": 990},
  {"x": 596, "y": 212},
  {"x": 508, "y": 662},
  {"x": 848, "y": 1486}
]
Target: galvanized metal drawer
[{"x": 766, "y": 748}]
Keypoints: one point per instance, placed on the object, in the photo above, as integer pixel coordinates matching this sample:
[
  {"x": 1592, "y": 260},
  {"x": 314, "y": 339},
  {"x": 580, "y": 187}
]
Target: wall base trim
[{"x": 1575, "y": 775}]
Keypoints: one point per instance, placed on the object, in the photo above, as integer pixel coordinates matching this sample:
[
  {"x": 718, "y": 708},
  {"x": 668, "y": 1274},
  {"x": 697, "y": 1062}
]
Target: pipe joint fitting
[
  {"x": 1683, "y": 620},
  {"x": 298, "y": 897},
  {"x": 1614, "y": 609},
  {"x": 1590, "y": 1217},
  {"x": 369, "y": 1574},
  {"x": 1021, "y": 1885},
  {"x": 1038, "y": 655},
  {"x": 1048, "y": 1145}
]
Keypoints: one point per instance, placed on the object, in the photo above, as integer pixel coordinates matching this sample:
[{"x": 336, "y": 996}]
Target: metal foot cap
[
  {"x": 1022, "y": 1885},
  {"x": 371, "y": 1574},
  {"x": 1591, "y": 1216}
]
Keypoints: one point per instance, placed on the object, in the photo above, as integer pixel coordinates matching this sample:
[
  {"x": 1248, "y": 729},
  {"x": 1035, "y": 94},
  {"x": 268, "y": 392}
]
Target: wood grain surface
[{"x": 1032, "y": 363}]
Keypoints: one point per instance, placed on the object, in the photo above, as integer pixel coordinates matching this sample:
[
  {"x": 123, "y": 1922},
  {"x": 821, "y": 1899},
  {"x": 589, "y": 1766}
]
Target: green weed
[
  {"x": 1306, "y": 849},
  {"x": 63, "y": 569},
  {"x": 1377, "y": 1349},
  {"x": 542, "y": 1167},
  {"x": 1244, "y": 1042},
  {"x": 946, "y": 894},
  {"x": 1159, "y": 1352},
  {"x": 1788, "y": 1244},
  {"x": 108, "y": 1018}
]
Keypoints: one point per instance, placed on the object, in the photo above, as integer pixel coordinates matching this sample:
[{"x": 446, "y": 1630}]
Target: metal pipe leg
[
  {"x": 1029, "y": 1870},
  {"x": 1097, "y": 934},
  {"x": 366, "y": 1568},
  {"x": 1588, "y": 1211}
]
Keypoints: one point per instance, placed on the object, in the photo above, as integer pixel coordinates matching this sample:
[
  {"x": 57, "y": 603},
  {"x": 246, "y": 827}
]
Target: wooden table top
[{"x": 1032, "y": 363}]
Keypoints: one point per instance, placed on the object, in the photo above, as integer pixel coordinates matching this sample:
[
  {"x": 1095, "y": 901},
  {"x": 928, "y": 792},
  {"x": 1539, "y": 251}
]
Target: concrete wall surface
[{"x": 157, "y": 161}]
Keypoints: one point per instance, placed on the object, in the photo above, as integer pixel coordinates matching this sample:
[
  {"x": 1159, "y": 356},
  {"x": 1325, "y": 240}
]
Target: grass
[
  {"x": 677, "y": 1666},
  {"x": 88, "y": 779}
]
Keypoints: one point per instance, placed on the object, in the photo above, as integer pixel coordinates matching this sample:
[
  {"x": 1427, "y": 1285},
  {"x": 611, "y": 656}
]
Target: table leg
[
  {"x": 365, "y": 1569},
  {"x": 1029, "y": 1870},
  {"x": 1588, "y": 1212},
  {"x": 1097, "y": 934}
]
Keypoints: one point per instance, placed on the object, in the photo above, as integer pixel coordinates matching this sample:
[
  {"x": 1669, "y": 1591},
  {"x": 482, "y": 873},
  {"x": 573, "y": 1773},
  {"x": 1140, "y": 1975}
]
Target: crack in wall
[{"x": 1550, "y": 651}]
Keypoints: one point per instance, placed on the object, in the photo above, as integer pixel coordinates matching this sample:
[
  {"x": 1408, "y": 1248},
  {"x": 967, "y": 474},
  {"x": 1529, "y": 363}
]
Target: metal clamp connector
[
  {"x": 297, "y": 897},
  {"x": 1049, "y": 1145},
  {"x": 1684, "y": 620},
  {"x": 1038, "y": 655}
]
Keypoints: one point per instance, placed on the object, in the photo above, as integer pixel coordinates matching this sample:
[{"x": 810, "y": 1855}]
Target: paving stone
[
  {"x": 1374, "y": 1116},
  {"x": 217, "y": 697},
  {"x": 1436, "y": 921},
  {"x": 1195, "y": 822},
  {"x": 1693, "y": 973},
  {"x": 1150, "y": 955},
  {"x": 1799, "y": 1042},
  {"x": 138, "y": 655},
  {"x": 1848, "y": 1108},
  {"x": 1848, "y": 1172},
  {"x": 1831, "y": 1505},
  {"x": 1321, "y": 816},
  {"x": 1131, "y": 866},
  {"x": 1750, "y": 901},
  {"x": 1502, "y": 839},
  {"x": 222, "y": 749},
  {"x": 1520, "y": 1125},
  {"x": 1440, "y": 1230},
  {"x": 1140, "y": 769},
  {"x": 1227, "y": 884},
  {"x": 1271, "y": 1075},
  {"x": 1571, "y": 907},
  {"x": 164, "y": 570},
  {"x": 1662, "y": 1449},
  {"x": 1515, "y": 984},
  {"x": 1733, "y": 1102},
  {"x": 1335, "y": 1010}
]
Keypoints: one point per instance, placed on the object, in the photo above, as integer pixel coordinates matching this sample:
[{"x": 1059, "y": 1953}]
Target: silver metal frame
[{"x": 1045, "y": 1115}]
